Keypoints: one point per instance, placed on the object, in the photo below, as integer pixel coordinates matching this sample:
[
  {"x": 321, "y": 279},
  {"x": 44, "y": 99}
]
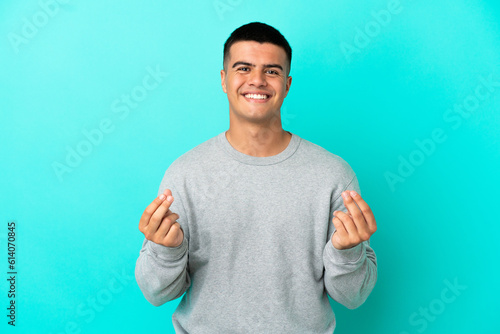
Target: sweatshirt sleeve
[
  {"x": 162, "y": 272},
  {"x": 350, "y": 274}
]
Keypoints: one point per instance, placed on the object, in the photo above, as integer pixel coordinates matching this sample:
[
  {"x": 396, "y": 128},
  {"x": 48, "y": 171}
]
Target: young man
[{"x": 253, "y": 224}]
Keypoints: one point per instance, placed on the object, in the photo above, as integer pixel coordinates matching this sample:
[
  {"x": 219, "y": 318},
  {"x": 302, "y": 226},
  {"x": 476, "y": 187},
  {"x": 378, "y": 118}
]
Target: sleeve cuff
[
  {"x": 349, "y": 255},
  {"x": 168, "y": 253}
]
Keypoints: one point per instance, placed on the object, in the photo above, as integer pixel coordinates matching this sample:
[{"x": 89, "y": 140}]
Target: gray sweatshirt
[{"x": 256, "y": 255}]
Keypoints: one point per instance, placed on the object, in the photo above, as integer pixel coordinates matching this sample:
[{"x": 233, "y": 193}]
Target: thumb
[
  {"x": 167, "y": 192},
  {"x": 348, "y": 213}
]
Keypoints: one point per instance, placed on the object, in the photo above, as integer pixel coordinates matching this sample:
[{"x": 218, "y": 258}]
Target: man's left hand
[{"x": 354, "y": 227}]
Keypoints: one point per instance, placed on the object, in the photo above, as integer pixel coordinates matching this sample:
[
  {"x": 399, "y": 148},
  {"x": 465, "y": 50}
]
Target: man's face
[{"x": 255, "y": 68}]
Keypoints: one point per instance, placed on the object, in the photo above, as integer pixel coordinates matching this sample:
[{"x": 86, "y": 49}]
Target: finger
[
  {"x": 160, "y": 213},
  {"x": 355, "y": 212},
  {"x": 349, "y": 225},
  {"x": 174, "y": 235},
  {"x": 148, "y": 212},
  {"x": 365, "y": 210},
  {"x": 351, "y": 205},
  {"x": 151, "y": 209},
  {"x": 339, "y": 229},
  {"x": 166, "y": 225}
]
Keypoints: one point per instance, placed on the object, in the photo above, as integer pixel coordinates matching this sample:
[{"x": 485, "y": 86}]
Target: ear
[
  {"x": 288, "y": 84},
  {"x": 223, "y": 80}
]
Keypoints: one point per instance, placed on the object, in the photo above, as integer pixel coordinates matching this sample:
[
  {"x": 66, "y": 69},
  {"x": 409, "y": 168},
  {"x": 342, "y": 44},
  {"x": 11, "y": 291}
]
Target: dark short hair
[{"x": 258, "y": 32}]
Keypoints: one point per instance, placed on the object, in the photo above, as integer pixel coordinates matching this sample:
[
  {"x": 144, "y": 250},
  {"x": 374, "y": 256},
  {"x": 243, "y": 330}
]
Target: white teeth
[{"x": 256, "y": 96}]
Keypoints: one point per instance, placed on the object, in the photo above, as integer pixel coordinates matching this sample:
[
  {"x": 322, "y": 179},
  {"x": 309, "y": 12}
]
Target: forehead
[{"x": 257, "y": 52}]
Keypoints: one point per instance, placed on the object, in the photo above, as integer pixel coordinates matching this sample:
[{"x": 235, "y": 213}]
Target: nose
[{"x": 257, "y": 78}]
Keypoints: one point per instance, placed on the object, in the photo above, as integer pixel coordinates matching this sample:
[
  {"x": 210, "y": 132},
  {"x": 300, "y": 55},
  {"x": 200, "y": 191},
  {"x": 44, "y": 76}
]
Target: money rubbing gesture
[
  {"x": 356, "y": 226},
  {"x": 158, "y": 223}
]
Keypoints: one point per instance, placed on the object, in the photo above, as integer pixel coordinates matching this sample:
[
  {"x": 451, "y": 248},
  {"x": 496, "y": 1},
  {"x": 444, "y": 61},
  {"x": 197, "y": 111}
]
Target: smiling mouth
[{"x": 257, "y": 97}]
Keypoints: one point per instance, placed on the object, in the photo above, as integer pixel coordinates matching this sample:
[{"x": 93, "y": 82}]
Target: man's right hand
[{"x": 158, "y": 223}]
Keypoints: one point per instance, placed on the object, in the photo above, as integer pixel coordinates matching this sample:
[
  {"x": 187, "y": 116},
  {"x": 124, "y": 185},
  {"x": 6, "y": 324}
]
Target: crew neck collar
[{"x": 260, "y": 161}]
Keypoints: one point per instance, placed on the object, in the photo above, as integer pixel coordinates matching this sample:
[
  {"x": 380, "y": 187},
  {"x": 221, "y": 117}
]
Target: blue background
[{"x": 366, "y": 87}]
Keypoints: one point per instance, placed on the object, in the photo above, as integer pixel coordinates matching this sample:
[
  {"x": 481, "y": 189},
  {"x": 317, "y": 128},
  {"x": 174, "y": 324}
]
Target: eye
[
  {"x": 273, "y": 72},
  {"x": 242, "y": 68}
]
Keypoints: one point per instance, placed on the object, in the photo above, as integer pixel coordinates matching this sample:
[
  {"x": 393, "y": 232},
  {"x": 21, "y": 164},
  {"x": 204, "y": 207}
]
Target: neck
[{"x": 258, "y": 141}]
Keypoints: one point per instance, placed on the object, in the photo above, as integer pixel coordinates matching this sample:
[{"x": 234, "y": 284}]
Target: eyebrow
[{"x": 253, "y": 65}]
